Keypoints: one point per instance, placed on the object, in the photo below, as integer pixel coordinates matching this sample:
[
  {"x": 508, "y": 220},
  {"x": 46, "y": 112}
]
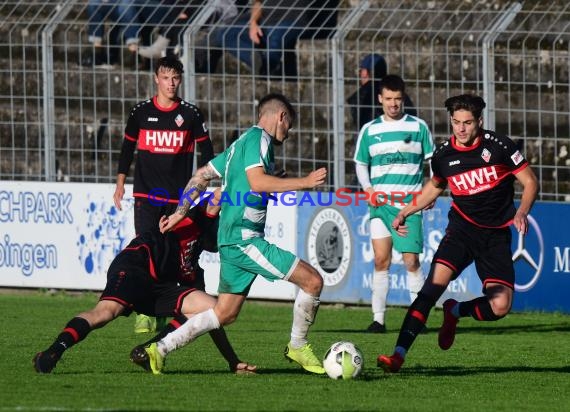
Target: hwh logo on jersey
[
  {"x": 155, "y": 138},
  {"x": 475, "y": 178}
]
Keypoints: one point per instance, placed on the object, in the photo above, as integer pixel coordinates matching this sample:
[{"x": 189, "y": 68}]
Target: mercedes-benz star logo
[{"x": 533, "y": 261}]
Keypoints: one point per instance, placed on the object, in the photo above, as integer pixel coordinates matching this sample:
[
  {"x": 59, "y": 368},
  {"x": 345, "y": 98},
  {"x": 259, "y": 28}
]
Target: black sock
[
  {"x": 222, "y": 343},
  {"x": 170, "y": 327},
  {"x": 415, "y": 320},
  {"x": 74, "y": 332},
  {"x": 479, "y": 309}
]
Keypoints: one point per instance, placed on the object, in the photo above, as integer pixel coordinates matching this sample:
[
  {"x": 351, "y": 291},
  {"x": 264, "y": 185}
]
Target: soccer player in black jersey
[
  {"x": 157, "y": 275},
  {"x": 164, "y": 130},
  {"x": 480, "y": 167}
]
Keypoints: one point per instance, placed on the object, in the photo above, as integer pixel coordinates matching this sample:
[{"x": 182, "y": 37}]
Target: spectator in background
[
  {"x": 126, "y": 27},
  {"x": 170, "y": 17},
  {"x": 262, "y": 34},
  {"x": 364, "y": 102},
  {"x": 270, "y": 47}
]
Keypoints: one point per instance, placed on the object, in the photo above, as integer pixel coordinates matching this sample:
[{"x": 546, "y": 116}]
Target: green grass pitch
[{"x": 521, "y": 363}]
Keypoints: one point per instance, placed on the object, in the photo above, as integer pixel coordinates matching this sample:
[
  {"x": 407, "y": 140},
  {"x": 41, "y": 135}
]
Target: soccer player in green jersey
[
  {"x": 246, "y": 170},
  {"x": 390, "y": 152}
]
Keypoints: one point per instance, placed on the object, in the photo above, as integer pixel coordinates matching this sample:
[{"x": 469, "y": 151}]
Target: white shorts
[{"x": 378, "y": 229}]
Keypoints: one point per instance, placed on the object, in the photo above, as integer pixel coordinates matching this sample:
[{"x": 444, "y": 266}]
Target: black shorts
[
  {"x": 129, "y": 283},
  {"x": 147, "y": 214},
  {"x": 490, "y": 249}
]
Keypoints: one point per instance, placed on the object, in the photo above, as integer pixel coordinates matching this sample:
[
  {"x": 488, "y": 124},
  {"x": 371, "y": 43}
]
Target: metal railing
[{"x": 62, "y": 117}]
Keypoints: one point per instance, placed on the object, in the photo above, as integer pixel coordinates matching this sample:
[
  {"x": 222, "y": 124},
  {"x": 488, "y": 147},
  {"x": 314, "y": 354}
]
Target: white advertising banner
[
  {"x": 65, "y": 235},
  {"x": 60, "y": 235}
]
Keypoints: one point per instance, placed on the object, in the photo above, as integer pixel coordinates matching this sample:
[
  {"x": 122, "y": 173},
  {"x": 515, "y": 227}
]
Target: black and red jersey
[
  {"x": 174, "y": 256},
  {"x": 481, "y": 177},
  {"x": 165, "y": 139}
]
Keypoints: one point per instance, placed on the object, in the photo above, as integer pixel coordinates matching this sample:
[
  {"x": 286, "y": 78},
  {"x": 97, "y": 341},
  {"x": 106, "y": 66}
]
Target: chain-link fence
[{"x": 64, "y": 102}]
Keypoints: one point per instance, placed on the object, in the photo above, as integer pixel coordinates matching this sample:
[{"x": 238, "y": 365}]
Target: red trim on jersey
[
  {"x": 165, "y": 109},
  {"x": 73, "y": 333},
  {"x": 502, "y": 282},
  {"x": 150, "y": 262},
  {"x": 478, "y": 313},
  {"x": 446, "y": 263},
  {"x": 202, "y": 138},
  {"x": 115, "y": 299},
  {"x": 478, "y": 180},
  {"x": 418, "y": 315},
  {"x": 180, "y": 300},
  {"x": 520, "y": 169},
  {"x": 465, "y": 149},
  {"x": 132, "y": 139},
  {"x": 464, "y": 216},
  {"x": 438, "y": 179},
  {"x": 156, "y": 199}
]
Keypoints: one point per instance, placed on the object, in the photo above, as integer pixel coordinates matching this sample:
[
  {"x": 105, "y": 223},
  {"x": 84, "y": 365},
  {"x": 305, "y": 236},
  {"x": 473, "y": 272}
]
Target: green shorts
[
  {"x": 241, "y": 263},
  {"x": 414, "y": 241}
]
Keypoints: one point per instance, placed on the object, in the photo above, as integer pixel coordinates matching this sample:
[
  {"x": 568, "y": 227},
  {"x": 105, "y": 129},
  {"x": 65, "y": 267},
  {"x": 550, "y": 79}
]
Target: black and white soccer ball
[{"x": 343, "y": 360}]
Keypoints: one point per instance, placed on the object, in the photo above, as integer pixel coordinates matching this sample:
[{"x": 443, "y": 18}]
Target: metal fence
[{"x": 62, "y": 117}]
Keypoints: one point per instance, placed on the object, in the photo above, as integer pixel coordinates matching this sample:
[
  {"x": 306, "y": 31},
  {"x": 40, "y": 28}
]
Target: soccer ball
[{"x": 343, "y": 360}]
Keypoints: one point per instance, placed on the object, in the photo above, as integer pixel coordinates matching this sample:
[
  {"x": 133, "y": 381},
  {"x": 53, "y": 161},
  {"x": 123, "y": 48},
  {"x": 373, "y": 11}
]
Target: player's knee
[
  {"x": 226, "y": 318},
  {"x": 381, "y": 262},
  {"x": 314, "y": 283},
  {"x": 500, "y": 307}
]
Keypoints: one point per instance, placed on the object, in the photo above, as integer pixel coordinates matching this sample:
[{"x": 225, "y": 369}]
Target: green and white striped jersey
[
  {"x": 243, "y": 212},
  {"x": 394, "y": 152}
]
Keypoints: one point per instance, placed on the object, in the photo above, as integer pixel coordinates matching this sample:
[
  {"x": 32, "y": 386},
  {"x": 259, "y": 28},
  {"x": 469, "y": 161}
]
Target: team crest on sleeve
[
  {"x": 486, "y": 155},
  {"x": 179, "y": 120},
  {"x": 517, "y": 157}
]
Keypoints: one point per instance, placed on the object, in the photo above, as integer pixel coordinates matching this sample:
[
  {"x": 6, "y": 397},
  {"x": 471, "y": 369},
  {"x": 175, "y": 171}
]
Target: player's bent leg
[
  {"x": 74, "y": 332},
  {"x": 500, "y": 299},
  {"x": 104, "y": 312},
  {"x": 307, "y": 278},
  {"x": 304, "y": 312}
]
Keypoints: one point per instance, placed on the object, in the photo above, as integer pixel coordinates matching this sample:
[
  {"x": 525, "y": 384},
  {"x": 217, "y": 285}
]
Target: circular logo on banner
[
  {"x": 329, "y": 245},
  {"x": 533, "y": 259}
]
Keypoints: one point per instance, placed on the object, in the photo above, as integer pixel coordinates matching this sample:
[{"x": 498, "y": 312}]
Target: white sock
[
  {"x": 304, "y": 312},
  {"x": 197, "y": 325},
  {"x": 380, "y": 288},
  {"x": 415, "y": 283}
]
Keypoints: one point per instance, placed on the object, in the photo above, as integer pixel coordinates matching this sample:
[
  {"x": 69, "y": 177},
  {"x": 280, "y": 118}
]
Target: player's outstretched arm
[
  {"x": 195, "y": 187},
  {"x": 528, "y": 180},
  {"x": 261, "y": 182},
  {"x": 428, "y": 195}
]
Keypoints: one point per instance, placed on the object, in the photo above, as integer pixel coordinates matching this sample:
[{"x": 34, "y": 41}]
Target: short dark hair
[
  {"x": 276, "y": 101},
  {"x": 392, "y": 82},
  {"x": 169, "y": 62},
  {"x": 470, "y": 102}
]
